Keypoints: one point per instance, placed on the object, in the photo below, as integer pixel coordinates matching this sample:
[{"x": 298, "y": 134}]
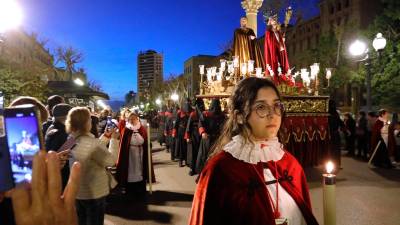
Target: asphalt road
[{"x": 363, "y": 196}]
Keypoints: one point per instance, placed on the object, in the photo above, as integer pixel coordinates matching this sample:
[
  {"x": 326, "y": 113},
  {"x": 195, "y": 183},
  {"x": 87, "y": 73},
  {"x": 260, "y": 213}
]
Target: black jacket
[{"x": 55, "y": 137}]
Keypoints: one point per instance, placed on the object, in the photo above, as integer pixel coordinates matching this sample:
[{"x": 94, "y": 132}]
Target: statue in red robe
[{"x": 275, "y": 51}]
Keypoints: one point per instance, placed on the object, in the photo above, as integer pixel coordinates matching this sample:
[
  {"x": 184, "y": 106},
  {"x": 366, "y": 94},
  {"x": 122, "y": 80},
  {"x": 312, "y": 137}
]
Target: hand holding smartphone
[{"x": 23, "y": 140}]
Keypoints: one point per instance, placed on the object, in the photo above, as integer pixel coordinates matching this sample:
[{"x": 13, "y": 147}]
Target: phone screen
[{"x": 23, "y": 138}]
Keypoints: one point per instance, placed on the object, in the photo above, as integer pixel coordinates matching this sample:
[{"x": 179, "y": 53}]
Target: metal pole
[{"x": 368, "y": 70}]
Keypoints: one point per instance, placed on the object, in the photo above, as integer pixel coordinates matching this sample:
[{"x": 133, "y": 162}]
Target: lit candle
[
  {"x": 243, "y": 69},
  {"x": 231, "y": 68},
  {"x": 236, "y": 61},
  {"x": 223, "y": 65},
  {"x": 201, "y": 67},
  {"x": 219, "y": 75},
  {"x": 213, "y": 72},
  {"x": 250, "y": 66},
  {"x": 258, "y": 72},
  {"x": 328, "y": 74},
  {"x": 149, "y": 157},
  {"x": 329, "y": 195},
  {"x": 208, "y": 74}
]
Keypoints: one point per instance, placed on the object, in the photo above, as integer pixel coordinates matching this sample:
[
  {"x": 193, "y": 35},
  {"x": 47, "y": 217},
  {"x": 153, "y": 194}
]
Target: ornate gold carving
[{"x": 306, "y": 104}]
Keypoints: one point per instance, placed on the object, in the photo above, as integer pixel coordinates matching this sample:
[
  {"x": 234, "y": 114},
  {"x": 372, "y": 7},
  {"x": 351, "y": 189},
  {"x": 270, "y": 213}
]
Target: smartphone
[
  {"x": 24, "y": 140},
  {"x": 68, "y": 144}
]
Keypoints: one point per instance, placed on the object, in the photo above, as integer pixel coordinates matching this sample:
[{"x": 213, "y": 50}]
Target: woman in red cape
[
  {"x": 250, "y": 179},
  {"x": 132, "y": 165}
]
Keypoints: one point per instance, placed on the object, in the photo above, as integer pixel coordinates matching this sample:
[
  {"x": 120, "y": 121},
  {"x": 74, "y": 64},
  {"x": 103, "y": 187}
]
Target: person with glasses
[{"x": 250, "y": 178}]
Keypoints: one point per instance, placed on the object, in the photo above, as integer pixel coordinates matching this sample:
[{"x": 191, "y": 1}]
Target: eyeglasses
[{"x": 264, "y": 110}]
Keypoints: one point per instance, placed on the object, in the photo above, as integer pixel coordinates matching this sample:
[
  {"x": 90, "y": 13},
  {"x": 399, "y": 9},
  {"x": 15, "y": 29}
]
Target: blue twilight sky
[{"x": 111, "y": 33}]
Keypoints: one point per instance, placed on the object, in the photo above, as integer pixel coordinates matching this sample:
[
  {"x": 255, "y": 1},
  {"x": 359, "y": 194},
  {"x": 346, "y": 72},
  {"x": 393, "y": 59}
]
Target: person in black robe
[
  {"x": 335, "y": 124},
  {"x": 362, "y": 132},
  {"x": 350, "y": 133},
  {"x": 169, "y": 126},
  {"x": 192, "y": 135},
  {"x": 162, "y": 119},
  {"x": 179, "y": 132},
  {"x": 210, "y": 126}
]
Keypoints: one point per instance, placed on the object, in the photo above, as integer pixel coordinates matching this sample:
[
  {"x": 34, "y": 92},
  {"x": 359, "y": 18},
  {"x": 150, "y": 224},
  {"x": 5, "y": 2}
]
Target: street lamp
[
  {"x": 79, "y": 82},
  {"x": 359, "y": 48},
  {"x": 379, "y": 43},
  {"x": 174, "y": 97},
  {"x": 101, "y": 104},
  {"x": 158, "y": 101},
  {"x": 10, "y": 15}
]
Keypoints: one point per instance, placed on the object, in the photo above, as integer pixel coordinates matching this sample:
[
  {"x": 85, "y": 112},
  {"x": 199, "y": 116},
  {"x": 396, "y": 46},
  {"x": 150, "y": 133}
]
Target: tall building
[
  {"x": 149, "y": 71},
  {"x": 192, "y": 71}
]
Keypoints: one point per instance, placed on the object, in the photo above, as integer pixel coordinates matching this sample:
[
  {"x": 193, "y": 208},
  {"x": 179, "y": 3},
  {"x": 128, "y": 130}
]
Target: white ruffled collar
[
  {"x": 260, "y": 151},
  {"x": 133, "y": 127}
]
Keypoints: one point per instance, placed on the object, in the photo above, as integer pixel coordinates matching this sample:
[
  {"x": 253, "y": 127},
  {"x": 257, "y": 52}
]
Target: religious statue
[
  {"x": 245, "y": 45},
  {"x": 276, "y": 59}
]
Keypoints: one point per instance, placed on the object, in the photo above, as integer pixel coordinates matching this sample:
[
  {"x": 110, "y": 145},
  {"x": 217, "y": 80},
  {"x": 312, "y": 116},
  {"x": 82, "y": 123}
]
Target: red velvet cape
[
  {"x": 273, "y": 54},
  {"x": 231, "y": 191},
  {"x": 123, "y": 156}
]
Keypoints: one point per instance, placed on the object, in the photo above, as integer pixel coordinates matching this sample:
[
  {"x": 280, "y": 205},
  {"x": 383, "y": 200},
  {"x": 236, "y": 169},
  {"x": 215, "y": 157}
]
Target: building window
[{"x": 331, "y": 9}]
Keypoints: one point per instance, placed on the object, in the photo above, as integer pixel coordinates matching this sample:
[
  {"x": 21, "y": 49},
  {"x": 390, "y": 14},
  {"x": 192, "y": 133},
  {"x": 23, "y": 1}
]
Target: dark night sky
[{"x": 111, "y": 33}]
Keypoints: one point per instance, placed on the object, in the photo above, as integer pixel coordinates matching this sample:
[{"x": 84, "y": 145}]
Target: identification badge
[{"x": 282, "y": 221}]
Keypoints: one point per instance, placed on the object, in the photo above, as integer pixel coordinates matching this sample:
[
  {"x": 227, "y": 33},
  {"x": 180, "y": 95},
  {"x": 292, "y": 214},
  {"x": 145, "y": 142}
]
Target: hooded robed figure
[
  {"x": 179, "y": 132},
  {"x": 210, "y": 126},
  {"x": 162, "y": 119},
  {"x": 245, "y": 45},
  {"x": 169, "y": 126},
  {"x": 192, "y": 135}
]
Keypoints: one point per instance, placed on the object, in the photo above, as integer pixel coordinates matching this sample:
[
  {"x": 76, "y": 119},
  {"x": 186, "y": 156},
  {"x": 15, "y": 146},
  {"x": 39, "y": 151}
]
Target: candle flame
[{"x": 329, "y": 167}]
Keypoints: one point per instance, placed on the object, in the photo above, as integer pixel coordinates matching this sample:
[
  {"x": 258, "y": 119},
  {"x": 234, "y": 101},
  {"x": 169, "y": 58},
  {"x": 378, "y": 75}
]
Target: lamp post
[{"x": 359, "y": 48}]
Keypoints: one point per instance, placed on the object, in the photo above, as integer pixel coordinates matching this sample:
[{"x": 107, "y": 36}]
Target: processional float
[{"x": 304, "y": 131}]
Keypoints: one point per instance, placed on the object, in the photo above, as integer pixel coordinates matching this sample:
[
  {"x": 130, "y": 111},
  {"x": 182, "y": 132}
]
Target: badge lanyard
[{"x": 275, "y": 206}]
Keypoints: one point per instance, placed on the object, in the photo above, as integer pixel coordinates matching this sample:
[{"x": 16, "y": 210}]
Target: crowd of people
[
  {"x": 372, "y": 136},
  {"x": 189, "y": 131},
  {"x": 88, "y": 155},
  {"x": 94, "y": 152}
]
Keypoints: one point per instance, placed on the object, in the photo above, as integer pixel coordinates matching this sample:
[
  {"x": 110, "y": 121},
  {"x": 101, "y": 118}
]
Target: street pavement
[{"x": 364, "y": 196}]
